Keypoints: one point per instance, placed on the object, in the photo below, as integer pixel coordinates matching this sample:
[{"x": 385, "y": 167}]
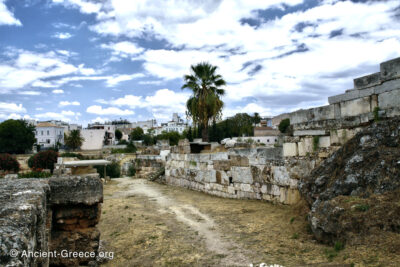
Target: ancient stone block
[
  {"x": 239, "y": 161},
  {"x": 290, "y": 150},
  {"x": 324, "y": 141},
  {"x": 367, "y": 81},
  {"x": 222, "y": 165},
  {"x": 280, "y": 175},
  {"x": 389, "y": 99},
  {"x": 355, "y": 107},
  {"x": 390, "y": 69},
  {"x": 241, "y": 175}
]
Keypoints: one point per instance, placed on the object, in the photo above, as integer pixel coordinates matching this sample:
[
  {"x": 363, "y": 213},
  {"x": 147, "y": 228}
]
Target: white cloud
[
  {"x": 67, "y": 103},
  {"x": 58, "y": 91},
  {"x": 116, "y": 79},
  {"x": 123, "y": 49},
  {"x": 62, "y": 35},
  {"x": 29, "y": 93},
  {"x": 65, "y": 115},
  {"x": 6, "y": 16},
  {"x": 11, "y": 107},
  {"x": 100, "y": 120},
  {"x": 84, "y": 6},
  {"x": 99, "y": 110},
  {"x": 38, "y": 109}
]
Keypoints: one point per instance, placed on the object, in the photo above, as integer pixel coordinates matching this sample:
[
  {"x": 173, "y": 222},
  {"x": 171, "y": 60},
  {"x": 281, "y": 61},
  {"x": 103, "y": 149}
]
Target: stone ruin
[{"x": 56, "y": 214}]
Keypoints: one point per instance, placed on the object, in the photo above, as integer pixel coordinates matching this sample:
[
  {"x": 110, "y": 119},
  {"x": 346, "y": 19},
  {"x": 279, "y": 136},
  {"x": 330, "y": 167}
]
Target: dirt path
[
  {"x": 189, "y": 215},
  {"x": 148, "y": 224}
]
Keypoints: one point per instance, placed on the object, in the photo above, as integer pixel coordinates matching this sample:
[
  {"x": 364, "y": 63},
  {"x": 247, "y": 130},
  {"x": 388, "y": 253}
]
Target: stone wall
[
  {"x": 375, "y": 95},
  {"x": 40, "y": 215},
  {"x": 252, "y": 173}
]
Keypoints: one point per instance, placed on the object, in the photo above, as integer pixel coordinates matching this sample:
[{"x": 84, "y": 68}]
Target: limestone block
[
  {"x": 209, "y": 176},
  {"x": 355, "y": 107},
  {"x": 231, "y": 190},
  {"x": 219, "y": 156},
  {"x": 290, "y": 150},
  {"x": 390, "y": 69},
  {"x": 293, "y": 183},
  {"x": 302, "y": 148},
  {"x": 204, "y": 157},
  {"x": 167, "y": 172},
  {"x": 389, "y": 99},
  {"x": 240, "y": 161},
  {"x": 246, "y": 188},
  {"x": 222, "y": 178},
  {"x": 222, "y": 165},
  {"x": 309, "y": 132},
  {"x": 241, "y": 175},
  {"x": 280, "y": 175},
  {"x": 367, "y": 81},
  {"x": 263, "y": 189},
  {"x": 324, "y": 141}
]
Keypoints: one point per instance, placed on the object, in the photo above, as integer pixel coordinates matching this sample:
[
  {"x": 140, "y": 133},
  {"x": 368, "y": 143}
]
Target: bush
[
  {"x": 35, "y": 174},
  {"x": 8, "y": 163},
  {"x": 113, "y": 170},
  {"x": 132, "y": 170},
  {"x": 72, "y": 155},
  {"x": 130, "y": 148},
  {"x": 43, "y": 160},
  {"x": 284, "y": 125}
]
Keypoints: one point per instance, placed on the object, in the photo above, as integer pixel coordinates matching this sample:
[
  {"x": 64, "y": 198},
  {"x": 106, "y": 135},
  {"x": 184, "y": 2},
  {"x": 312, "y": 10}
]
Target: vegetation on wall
[
  {"x": 16, "y": 136},
  {"x": 113, "y": 170}
]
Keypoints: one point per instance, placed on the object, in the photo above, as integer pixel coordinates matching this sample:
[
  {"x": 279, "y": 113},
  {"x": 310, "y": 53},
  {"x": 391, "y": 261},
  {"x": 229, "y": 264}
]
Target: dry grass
[{"x": 140, "y": 235}]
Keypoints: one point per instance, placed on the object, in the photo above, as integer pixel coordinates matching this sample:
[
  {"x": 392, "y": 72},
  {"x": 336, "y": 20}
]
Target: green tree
[
  {"x": 256, "y": 118},
  {"x": 137, "y": 134},
  {"x": 205, "y": 104},
  {"x": 16, "y": 136},
  {"x": 284, "y": 125},
  {"x": 74, "y": 140},
  {"x": 118, "y": 134}
]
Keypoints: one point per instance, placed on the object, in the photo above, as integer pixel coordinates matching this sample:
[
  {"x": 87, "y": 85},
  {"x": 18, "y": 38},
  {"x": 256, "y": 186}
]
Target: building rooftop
[{"x": 47, "y": 124}]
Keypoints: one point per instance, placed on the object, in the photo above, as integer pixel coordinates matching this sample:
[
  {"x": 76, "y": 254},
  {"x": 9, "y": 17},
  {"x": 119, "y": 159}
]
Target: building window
[
  {"x": 48, "y": 132},
  {"x": 42, "y": 132}
]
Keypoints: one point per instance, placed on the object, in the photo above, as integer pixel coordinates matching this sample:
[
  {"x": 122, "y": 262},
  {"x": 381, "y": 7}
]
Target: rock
[
  {"x": 11, "y": 176},
  {"x": 365, "y": 168}
]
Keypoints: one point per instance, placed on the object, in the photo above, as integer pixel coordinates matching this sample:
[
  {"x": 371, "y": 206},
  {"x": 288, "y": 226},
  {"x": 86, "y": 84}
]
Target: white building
[
  {"x": 176, "y": 125},
  {"x": 93, "y": 139},
  {"x": 49, "y": 134},
  {"x": 109, "y": 135}
]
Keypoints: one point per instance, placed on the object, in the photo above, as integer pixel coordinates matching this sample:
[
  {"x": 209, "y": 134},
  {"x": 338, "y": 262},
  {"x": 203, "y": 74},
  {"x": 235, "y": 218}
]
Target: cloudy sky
[{"x": 83, "y": 61}]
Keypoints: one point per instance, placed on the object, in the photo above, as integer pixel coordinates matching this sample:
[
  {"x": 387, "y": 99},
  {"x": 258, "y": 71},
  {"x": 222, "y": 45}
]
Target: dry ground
[{"x": 148, "y": 224}]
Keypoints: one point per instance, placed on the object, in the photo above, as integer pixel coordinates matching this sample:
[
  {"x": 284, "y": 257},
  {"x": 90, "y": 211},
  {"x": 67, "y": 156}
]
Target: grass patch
[
  {"x": 361, "y": 207},
  {"x": 292, "y": 220},
  {"x": 295, "y": 236}
]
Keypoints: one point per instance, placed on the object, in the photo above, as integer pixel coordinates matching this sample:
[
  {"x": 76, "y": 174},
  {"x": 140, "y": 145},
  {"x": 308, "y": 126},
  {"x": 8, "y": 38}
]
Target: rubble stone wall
[
  {"x": 250, "y": 173},
  {"x": 40, "y": 215}
]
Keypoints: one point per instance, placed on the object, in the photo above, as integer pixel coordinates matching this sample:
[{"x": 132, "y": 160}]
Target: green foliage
[
  {"x": 74, "y": 140},
  {"x": 284, "y": 125},
  {"x": 315, "y": 143},
  {"x": 136, "y": 134},
  {"x": 123, "y": 142},
  {"x": 376, "y": 114},
  {"x": 256, "y": 118},
  {"x": 338, "y": 246},
  {"x": 148, "y": 140},
  {"x": 34, "y": 174},
  {"x": 173, "y": 137},
  {"x": 130, "y": 148},
  {"x": 8, "y": 163},
  {"x": 193, "y": 163},
  {"x": 120, "y": 121},
  {"x": 295, "y": 236},
  {"x": 361, "y": 207},
  {"x": 16, "y": 136},
  {"x": 292, "y": 220},
  {"x": 132, "y": 170},
  {"x": 236, "y": 126},
  {"x": 72, "y": 155},
  {"x": 118, "y": 134},
  {"x": 205, "y": 104},
  {"x": 43, "y": 160},
  {"x": 330, "y": 254},
  {"x": 113, "y": 170}
]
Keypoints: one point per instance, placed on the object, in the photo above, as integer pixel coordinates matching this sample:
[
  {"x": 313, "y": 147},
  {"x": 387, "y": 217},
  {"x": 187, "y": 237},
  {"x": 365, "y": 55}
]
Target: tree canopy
[
  {"x": 74, "y": 140},
  {"x": 16, "y": 136},
  {"x": 118, "y": 134},
  {"x": 205, "y": 105},
  {"x": 137, "y": 134}
]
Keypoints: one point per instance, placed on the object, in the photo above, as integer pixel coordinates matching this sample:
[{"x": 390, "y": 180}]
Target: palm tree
[
  {"x": 205, "y": 105},
  {"x": 74, "y": 139}
]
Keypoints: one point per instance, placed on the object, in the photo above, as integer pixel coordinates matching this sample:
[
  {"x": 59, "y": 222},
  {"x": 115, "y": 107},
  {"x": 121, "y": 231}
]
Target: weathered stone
[
  {"x": 240, "y": 161},
  {"x": 241, "y": 175},
  {"x": 309, "y": 132},
  {"x": 81, "y": 190},
  {"x": 290, "y": 150},
  {"x": 281, "y": 175},
  {"x": 367, "y": 81},
  {"x": 222, "y": 165}
]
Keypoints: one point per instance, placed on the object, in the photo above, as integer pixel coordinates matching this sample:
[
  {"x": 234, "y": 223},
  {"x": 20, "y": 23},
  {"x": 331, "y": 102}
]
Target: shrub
[
  {"x": 8, "y": 163},
  {"x": 132, "y": 170},
  {"x": 113, "y": 170},
  {"x": 43, "y": 160},
  {"x": 284, "y": 125},
  {"x": 376, "y": 114},
  {"x": 130, "y": 148},
  {"x": 315, "y": 143},
  {"x": 34, "y": 174},
  {"x": 72, "y": 155}
]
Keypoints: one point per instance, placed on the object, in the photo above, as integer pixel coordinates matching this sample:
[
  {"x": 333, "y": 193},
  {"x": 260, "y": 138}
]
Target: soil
[{"x": 150, "y": 224}]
